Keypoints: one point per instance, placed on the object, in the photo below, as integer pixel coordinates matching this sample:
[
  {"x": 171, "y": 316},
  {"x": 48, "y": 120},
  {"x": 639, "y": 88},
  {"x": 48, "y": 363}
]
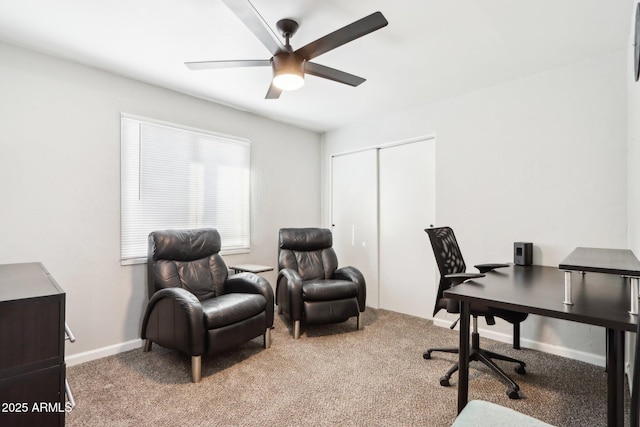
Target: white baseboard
[
  {"x": 99, "y": 353},
  {"x": 594, "y": 359}
]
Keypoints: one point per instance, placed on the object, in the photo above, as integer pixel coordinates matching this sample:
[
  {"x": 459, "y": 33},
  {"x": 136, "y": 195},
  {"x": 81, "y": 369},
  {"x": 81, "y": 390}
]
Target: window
[{"x": 174, "y": 177}]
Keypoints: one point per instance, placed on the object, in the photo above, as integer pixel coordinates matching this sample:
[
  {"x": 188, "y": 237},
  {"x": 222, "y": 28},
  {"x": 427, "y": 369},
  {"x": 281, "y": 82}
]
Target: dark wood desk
[{"x": 601, "y": 300}]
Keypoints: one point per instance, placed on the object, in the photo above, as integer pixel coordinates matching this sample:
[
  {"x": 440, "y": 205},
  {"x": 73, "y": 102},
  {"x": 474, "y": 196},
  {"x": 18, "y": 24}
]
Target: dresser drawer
[{"x": 34, "y": 399}]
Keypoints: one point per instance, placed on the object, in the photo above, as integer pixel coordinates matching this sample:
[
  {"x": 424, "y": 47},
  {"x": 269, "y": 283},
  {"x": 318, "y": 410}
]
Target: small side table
[{"x": 250, "y": 268}]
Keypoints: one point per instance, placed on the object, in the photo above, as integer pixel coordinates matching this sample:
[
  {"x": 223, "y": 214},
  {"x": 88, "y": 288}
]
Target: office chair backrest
[
  {"x": 446, "y": 250},
  {"x": 188, "y": 259},
  {"x": 308, "y": 251},
  {"x": 448, "y": 257}
]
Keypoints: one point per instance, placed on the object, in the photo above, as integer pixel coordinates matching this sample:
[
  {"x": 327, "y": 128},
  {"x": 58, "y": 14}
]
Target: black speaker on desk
[{"x": 522, "y": 253}]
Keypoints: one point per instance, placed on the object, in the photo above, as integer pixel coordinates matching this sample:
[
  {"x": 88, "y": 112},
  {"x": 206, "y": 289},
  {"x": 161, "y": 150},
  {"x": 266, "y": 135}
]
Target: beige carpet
[{"x": 332, "y": 376}]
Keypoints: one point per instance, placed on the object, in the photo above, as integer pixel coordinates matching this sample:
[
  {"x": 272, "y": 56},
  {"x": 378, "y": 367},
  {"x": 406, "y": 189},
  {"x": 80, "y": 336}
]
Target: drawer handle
[
  {"x": 67, "y": 390},
  {"x": 68, "y": 333}
]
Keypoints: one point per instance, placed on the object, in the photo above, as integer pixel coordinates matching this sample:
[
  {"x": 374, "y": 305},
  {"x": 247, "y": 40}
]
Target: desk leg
[
  {"x": 567, "y": 289},
  {"x": 615, "y": 378},
  {"x": 635, "y": 283},
  {"x": 463, "y": 356},
  {"x": 635, "y": 387}
]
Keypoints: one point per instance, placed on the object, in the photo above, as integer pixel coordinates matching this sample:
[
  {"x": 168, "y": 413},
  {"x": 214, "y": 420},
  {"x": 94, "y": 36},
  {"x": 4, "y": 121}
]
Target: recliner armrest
[
  {"x": 290, "y": 275},
  {"x": 251, "y": 283},
  {"x": 354, "y": 275},
  {"x": 248, "y": 283},
  {"x": 458, "y": 278},
  {"x": 292, "y": 282},
  {"x": 485, "y": 268},
  {"x": 163, "y": 308}
]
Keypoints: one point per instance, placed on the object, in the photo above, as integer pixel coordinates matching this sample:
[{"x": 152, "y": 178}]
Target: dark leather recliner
[
  {"x": 310, "y": 285},
  {"x": 194, "y": 306}
]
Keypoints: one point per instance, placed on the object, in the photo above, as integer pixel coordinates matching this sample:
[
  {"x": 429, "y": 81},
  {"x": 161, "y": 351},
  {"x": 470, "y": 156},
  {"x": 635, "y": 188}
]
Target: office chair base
[
  {"x": 513, "y": 394},
  {"x": 485, "y": 357},
  {"x": 427, "y": 354}
]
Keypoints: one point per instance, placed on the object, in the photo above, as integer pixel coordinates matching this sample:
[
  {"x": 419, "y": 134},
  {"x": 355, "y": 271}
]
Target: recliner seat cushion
[
  {"x": 327, "y": 290},
  {"x": 231, "y": 308}
]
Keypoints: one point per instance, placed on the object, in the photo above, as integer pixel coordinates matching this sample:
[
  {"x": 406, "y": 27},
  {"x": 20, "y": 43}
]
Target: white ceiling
[{"x": 431, "y": 49}]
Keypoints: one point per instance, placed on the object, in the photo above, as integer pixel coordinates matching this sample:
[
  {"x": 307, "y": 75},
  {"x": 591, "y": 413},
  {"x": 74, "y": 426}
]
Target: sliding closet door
[
  {"x": 355, "y": 215},
  {"x": 406, "y": 208}
]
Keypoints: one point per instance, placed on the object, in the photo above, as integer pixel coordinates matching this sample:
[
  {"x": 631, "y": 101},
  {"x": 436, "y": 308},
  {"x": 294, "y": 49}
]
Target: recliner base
[
  {"x": 196, "y": 368},
  {"x": 297, "y": 325}
]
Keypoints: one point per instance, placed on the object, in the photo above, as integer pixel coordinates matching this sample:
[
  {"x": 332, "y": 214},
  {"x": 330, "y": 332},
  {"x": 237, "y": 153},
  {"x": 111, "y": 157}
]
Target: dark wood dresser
[{"x": 32, "y": 335}]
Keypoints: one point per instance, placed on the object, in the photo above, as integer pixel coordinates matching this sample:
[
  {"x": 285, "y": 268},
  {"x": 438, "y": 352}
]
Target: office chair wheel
[
  {"x": 426, "y": 355},
  {"x": 444, "y": 381},
  {"x": 520, "y": 369},
  {"x": 513, "y": 394}
]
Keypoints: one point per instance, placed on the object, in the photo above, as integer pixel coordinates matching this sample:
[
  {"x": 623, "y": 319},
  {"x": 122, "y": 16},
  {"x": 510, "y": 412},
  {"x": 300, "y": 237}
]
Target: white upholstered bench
[{"x": 479, "y": 413}]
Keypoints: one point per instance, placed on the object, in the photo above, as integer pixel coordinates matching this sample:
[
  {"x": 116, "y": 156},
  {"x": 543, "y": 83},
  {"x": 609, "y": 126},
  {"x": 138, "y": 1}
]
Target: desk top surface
[
  {"x": 598, "y": 260},
  {"x": 599, "y": 299}
]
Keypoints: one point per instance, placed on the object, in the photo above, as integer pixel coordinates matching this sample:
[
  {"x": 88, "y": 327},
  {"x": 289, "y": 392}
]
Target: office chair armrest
[
  {"x": 485, "y": 268},
  {"x": 458, "y": 278}
]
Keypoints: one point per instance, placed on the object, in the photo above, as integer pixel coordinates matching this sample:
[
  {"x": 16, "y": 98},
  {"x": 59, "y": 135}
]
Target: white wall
[
  {"x": 633, "y": 123},
  {"x": 60, "y": 174},
  {"x": 540, "y": 159},
  {"x": 633, "y": 137}
]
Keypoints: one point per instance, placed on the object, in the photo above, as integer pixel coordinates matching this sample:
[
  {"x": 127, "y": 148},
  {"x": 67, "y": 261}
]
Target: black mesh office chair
[{"x": 453, "y": 272}]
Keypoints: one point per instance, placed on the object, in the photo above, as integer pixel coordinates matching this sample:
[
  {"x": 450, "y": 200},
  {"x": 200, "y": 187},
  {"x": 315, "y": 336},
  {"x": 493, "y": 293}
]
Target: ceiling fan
[{"x": 289, "y": 66}]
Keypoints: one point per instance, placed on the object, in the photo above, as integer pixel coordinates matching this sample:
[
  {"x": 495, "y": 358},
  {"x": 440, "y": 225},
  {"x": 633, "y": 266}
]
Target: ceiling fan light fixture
[
  {"x": 288, "y": 71},
  {"x": 286, "y": 81}
]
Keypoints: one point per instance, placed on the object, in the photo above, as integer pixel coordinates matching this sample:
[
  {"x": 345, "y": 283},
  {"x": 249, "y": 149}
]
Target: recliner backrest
[
  {"x": 188, "y": 259},
  {"x": 308, "y": 251}
]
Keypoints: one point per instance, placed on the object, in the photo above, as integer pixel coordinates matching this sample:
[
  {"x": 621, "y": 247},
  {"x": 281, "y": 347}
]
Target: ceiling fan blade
[
  {"x": 273, "y": 92},
  {"x": 344, "y": 35},
  {"x": 211, "y": 65},
  {"x": 245, "y": 11},
  {"x": 332, "y": 74}
]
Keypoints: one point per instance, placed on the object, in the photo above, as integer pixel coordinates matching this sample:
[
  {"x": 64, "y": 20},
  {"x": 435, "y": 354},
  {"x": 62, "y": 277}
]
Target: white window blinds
[{"x": 175, "y": 178}]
